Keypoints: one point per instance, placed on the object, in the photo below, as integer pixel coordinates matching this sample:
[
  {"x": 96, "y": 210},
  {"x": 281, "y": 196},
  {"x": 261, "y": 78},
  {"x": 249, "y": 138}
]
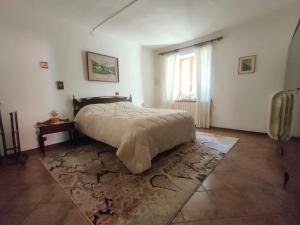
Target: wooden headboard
[{"x": 79, "y": 103}]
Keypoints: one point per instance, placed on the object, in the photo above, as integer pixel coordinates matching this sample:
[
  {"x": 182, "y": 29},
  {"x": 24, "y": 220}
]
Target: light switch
[{"x": 44, "y": 65}]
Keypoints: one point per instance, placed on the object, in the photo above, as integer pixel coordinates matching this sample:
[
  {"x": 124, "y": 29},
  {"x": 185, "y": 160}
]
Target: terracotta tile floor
[{"x": 245, "y": 189}]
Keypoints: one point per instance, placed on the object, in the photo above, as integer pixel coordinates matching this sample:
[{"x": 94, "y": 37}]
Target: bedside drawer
[{"x": 56, "y": 128}]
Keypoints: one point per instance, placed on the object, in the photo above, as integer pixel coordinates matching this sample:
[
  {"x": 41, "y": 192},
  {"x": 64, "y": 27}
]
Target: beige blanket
[{"x": 138, "y": 133}]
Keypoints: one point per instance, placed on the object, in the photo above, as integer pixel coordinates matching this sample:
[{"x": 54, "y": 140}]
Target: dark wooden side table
[{"x": 47, "y": 127}]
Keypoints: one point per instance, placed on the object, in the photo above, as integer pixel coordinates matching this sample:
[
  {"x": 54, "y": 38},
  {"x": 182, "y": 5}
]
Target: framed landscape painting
[
  {"x": 247, "y": 64},
  {"x": 102, "y": 67}
]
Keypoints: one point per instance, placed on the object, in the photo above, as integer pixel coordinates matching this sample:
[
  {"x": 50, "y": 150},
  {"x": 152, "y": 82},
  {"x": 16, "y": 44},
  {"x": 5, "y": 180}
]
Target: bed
[{"x": 138, "y": 133}]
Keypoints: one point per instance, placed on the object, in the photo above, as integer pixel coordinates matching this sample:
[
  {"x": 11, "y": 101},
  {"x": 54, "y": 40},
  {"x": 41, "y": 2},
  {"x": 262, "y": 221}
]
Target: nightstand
[{"x": 47, "y": 127}]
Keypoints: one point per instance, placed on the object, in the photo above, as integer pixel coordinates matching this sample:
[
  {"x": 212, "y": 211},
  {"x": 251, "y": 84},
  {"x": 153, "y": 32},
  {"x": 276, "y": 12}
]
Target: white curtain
[
  {"x": 203, "y": 73},
  {"x": 169, "y": 79}
]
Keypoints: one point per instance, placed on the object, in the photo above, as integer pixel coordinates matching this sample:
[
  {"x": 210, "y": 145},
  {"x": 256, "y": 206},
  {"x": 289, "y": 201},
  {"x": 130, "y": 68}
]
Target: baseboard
[
  {"x": 237, "y": 130},
  {"x": 250, "y": 132},
  {"x": 47, "y": 147},
  {"x": 296, "y": 138}
]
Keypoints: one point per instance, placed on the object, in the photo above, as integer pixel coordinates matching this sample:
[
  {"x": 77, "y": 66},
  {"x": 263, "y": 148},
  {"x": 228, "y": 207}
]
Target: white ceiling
[{"x": 160, "y": 22}]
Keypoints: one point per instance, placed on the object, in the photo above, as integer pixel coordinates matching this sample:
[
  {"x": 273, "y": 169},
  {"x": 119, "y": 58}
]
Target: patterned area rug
[{"x": 121, "y": 198}]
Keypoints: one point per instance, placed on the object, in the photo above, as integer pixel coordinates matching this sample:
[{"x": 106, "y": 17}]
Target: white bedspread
[{"x": 138, "y": 133}]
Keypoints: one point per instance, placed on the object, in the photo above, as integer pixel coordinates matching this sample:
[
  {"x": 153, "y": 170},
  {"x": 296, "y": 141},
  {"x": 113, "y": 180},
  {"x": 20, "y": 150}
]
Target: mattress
[{"x": 138, "y": 133}]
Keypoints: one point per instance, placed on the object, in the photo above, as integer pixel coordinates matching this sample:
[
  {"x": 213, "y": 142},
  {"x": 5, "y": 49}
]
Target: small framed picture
[
  {"x": 247, "y": 64},
  {"x": 102, "y": 67},
  {"x": 60, "y": 85}
]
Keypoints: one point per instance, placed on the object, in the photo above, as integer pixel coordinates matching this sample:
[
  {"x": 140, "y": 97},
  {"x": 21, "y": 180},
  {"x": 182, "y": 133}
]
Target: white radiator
[
  {"x": 281, "y": 116},
  {"x": 190, "y": 107}
]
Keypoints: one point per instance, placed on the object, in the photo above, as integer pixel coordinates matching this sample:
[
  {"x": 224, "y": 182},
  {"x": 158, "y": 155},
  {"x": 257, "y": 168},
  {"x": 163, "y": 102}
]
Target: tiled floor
[{"x": 245, "y": 189}]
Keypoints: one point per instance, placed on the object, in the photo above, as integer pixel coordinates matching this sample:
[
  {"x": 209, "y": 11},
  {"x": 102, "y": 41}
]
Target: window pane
[
  {"x": 185, "y": 83},
  {"x": 187, "y": 86}
]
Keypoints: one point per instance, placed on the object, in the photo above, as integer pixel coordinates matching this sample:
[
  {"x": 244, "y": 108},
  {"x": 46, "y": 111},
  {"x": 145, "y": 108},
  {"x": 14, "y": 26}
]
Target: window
[{"x": 187, "y": 79}]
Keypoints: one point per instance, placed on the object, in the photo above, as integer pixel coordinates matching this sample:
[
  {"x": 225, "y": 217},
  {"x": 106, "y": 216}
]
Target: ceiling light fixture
[{"x": 113, "y": 15}]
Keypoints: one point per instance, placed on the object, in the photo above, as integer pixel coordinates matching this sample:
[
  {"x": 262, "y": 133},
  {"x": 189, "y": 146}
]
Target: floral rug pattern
[{"x": 108, "y": 194}]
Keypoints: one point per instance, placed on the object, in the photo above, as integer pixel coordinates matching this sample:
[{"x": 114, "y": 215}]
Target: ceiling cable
[{"x": 114, "y": 14}]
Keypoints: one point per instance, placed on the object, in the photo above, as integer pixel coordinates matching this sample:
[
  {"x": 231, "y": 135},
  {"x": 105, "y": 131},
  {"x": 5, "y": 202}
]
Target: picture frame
[
  {"x": 60, "y": 85},
  {"x": 102, "y": 68},
  {"x": 247, "y": 64}
]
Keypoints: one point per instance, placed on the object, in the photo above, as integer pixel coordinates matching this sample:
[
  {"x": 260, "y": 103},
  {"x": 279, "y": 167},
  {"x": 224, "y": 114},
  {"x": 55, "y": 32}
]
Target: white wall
[
  {"x": 242, "y": 101},
  {"x": 26, "y": 38}
]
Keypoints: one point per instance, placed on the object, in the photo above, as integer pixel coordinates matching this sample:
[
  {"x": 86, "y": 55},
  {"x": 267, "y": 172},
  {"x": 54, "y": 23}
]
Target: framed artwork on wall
[
  {"x": 247, "y": 64},
  {"x": 102, "y": 67},
  {"x": 60, "y": 85}
]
